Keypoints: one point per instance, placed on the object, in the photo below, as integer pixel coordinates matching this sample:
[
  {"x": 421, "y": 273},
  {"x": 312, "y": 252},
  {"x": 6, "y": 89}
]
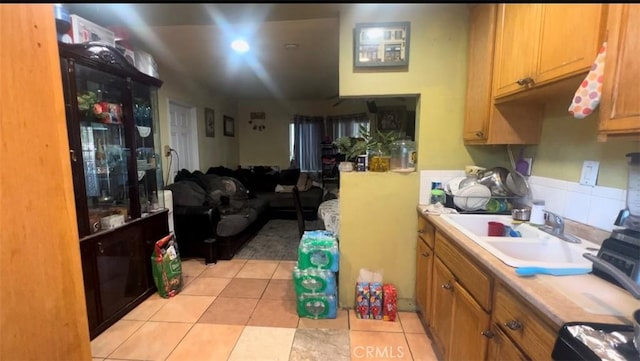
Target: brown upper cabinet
[
  {"x": 538, "y": 44},
  {"x": 486, "y": 122},
  {"x": 620, "y": 102}
]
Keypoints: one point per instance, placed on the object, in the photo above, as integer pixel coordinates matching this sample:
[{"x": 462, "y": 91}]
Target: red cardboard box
[{"x": 390, "y": 301}]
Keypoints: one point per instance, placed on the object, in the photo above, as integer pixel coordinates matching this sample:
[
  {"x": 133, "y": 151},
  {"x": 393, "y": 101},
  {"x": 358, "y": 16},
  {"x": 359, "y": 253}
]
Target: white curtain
[
  {"x": 347, "y": 125},
  {"x": 308, "y": 135}
]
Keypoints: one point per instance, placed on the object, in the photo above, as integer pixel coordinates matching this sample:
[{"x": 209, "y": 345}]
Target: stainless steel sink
[{"x": 534, "y": 248}]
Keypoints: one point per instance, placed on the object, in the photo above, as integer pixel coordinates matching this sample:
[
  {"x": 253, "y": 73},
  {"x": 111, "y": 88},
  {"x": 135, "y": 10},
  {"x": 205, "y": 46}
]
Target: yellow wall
[
  {"x": 219, "y": 150},
  {"x": 437, "y": 72},
  {"x": 378, "y": 223},
  {"x": 567, "y": 142}
]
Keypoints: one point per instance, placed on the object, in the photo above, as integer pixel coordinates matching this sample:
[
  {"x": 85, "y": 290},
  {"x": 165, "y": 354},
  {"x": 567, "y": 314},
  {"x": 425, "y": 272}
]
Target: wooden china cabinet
[{"x": 112, "y": 124}]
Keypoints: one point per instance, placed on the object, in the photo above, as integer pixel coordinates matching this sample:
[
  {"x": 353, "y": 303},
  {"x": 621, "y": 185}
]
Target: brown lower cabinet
[
  {"x": 502, "y": 349},
  {"x": 458, "y": 322},
  {"x": 424, "y": 266},
  {"x": 116, "y": 267},
  {"x": 469, "y": 314}
]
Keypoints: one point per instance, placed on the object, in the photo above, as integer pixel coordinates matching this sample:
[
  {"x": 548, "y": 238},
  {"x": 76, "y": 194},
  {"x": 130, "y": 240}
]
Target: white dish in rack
[{"x": 472, "y": 198}]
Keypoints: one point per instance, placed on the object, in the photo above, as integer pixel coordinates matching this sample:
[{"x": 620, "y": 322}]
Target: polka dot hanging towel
[{"x": 587, "y": 97}]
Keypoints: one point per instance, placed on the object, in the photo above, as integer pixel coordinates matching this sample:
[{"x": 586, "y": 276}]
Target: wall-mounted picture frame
[
  {"x": 257, "y": 121},
  {"x": 209, "y": 123},
  {"x": 229, "y": 126},
  {"x": 381, "y": 44},
  {"x": 391, "y": 118}
]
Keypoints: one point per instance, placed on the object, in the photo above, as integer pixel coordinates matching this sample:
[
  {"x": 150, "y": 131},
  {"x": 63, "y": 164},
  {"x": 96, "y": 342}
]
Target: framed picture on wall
[
  {"x": 209, "y": 123},
  {"x": 391, "y": 118},
  {"x": 381, "y": 44},
  {"x": 229, "y": 130}
]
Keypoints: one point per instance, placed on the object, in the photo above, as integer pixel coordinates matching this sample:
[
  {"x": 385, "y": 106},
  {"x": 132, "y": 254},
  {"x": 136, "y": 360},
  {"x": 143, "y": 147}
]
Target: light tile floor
[{"x": 246, "y": 310}]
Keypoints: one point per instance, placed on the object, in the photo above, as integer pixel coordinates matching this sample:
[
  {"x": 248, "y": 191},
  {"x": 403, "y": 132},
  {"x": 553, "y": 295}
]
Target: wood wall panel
[{"x": 42, "y": 307}]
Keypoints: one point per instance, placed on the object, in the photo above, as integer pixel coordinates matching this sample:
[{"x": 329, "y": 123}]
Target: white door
[{"x": 184, "y": 138}]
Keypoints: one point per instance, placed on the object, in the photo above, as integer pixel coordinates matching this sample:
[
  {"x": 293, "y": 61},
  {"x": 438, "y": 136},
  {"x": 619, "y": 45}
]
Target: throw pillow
[
  {"x": 309, "y": 184},
  {"x": 284, "y": 188},
  {"x": 302, "y": 181}
]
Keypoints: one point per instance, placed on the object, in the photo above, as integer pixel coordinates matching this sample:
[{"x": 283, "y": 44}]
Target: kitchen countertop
[{"x": 583, "y": 298}]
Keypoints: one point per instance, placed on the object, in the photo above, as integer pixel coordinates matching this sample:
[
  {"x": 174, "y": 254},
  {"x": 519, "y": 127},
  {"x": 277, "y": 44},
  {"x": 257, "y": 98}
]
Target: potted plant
[
  {"x": 351, "y": 148},
  {"x": 379, "y": 148}
]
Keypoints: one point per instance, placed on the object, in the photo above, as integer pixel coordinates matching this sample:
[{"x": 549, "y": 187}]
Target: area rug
[{"x": 277, "y": 240}]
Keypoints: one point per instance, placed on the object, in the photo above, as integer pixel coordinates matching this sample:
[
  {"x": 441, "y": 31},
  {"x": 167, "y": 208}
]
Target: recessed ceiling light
[
  {"x": 240, "y": 46},
  {"x": 291, "y": 46}
]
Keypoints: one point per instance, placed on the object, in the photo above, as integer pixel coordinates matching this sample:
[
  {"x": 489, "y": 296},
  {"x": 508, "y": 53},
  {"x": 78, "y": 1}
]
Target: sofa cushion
[
  {"x": 259, "y": 204},
  {"x": 232, "y": 224},
  {"x": 310, "y": 199},
  {"x": 221, "y": 171},
  {"x": 246, "y": 177},
  {"x": 187, "y": 193},
  {"x": 289, "y": 177}
]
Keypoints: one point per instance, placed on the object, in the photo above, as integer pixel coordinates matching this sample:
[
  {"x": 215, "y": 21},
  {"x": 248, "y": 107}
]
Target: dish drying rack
[{"x": 512, "y": 202}]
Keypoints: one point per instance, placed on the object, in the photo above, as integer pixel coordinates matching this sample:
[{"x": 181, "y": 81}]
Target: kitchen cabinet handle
[
  {"x": 528, "y": 81},
  {"x": 447, "y": 286},
  {"x": 425, "y": 254},
  {"x": 73, "y": 155},
  {"x": 479, "y": 134},
  {"x": 420, "y": 231},
  {"x": 100, "y": 249},
  {"x": 487, "y": 333},
  {"x": 513, "y": 325}
]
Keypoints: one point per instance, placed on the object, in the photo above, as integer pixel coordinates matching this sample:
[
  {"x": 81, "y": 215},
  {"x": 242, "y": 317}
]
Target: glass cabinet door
[
  {"x": 104, "y": 150},
  {"x": 147, "y": 139}
]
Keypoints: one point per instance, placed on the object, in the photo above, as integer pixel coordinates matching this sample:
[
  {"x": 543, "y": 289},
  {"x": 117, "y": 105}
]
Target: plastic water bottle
[{"x": 437, "y": 193}]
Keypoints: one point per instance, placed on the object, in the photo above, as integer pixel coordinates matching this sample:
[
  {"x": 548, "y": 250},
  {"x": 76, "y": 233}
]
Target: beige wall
[
  {"x": 271, "y": 146},
  {"x": 219, "y": 150}
]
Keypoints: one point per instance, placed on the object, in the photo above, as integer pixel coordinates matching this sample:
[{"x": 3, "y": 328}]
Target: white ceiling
[{"x": 193, "y": 40}]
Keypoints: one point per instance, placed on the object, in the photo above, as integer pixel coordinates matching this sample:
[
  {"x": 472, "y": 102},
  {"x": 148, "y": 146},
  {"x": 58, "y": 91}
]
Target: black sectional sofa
[{"x": 216, "y": 213}]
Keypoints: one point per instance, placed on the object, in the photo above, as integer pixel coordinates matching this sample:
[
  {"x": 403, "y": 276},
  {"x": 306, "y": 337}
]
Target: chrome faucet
[
  {"x": 554, "y": 225},
  {"x": 555, "y": 221}
]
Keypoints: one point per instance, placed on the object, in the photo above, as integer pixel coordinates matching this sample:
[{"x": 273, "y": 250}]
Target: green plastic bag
[{"x": 167, "y": 267}]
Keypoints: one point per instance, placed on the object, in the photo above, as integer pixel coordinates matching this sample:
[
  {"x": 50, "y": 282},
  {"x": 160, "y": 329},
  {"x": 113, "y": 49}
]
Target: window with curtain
[
  {"x": 347, "y": 125},
  {"x": 307, "y": 135}
]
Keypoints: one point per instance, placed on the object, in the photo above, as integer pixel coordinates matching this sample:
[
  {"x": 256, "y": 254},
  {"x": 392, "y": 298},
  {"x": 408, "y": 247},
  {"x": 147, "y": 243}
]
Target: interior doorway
[{"x": 183, "y": 130}]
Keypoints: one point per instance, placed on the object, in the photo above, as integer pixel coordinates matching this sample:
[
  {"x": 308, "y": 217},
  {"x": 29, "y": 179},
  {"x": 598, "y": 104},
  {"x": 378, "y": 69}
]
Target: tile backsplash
[{"x": 594, "y": 206}]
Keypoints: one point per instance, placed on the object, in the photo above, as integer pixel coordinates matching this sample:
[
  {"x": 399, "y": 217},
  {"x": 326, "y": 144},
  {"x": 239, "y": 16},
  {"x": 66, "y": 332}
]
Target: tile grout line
[
  {"x": 179, "y": 342},
  {"x": 125, "y": 340}
]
